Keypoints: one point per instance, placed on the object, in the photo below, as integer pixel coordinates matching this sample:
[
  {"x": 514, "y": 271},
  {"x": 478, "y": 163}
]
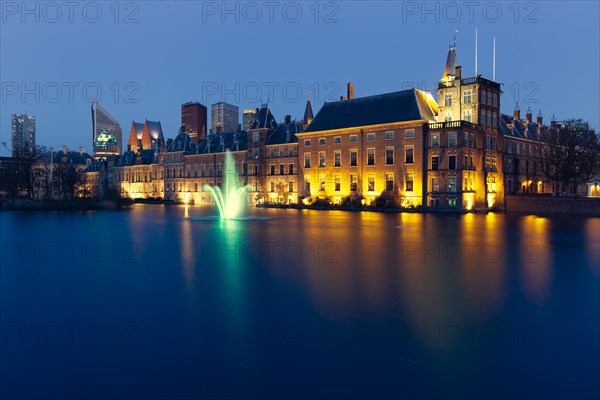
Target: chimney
[
  {"x": 81, "y": 150},
  {"x": 529, "y": 115},
  {"x": 553, "y": 123},
  {"x": 517, "y": 113},
  {"x": 342, "y": 98},
  {"x": 458, "y": 72},
  {"x": 350, "y": 90},
  {"x": 540, "y": 119},
  {"x": 65, "y": 148},
  {"x": 288, "y": 119}
]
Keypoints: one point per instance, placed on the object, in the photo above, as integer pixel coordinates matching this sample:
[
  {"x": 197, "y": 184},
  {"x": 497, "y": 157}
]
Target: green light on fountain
[{"x": 230, "y": 201}]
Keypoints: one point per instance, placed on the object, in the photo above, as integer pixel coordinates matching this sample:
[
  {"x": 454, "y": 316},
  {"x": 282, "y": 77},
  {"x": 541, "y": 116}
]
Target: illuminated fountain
[{"x": 230, "y": 201}]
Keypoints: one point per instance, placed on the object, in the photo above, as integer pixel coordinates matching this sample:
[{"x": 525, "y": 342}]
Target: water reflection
[{"x": 534, "y": 257}]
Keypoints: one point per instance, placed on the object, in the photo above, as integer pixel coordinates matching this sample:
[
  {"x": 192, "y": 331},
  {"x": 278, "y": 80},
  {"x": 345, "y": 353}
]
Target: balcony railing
[{"x": 452, "y": 124}]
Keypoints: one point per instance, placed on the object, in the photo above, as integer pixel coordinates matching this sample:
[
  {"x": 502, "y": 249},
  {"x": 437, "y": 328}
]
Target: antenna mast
[
  {"x": 475, "y": 51},
  {"x": 494, "y": 62}
]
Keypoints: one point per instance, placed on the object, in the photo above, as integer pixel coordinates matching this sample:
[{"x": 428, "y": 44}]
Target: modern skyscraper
[
  {"x": 194, "y": 120},
  {"x": 22, "y": 133},
  {"x": 248, "y": 117},
  {"x": 104, "y": 123},
  {"x": 225, "y": 118}
]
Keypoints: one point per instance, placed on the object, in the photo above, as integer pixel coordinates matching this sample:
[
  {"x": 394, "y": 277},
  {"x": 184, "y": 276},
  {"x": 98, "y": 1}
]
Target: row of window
[
  {"x": 283, "y": 152},
  {"x": 337, "y": 157},
  {"x": 353, "y": 183},
  {"x": 371, "y": 136},
  {"x": 487, "y": 97},
  {"x": 281, "y": 169},
  {"x": 518, "y": 148}
]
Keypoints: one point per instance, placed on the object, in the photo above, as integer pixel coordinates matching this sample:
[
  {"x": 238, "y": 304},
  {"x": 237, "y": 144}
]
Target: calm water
[{"x": 149, "y": 303}]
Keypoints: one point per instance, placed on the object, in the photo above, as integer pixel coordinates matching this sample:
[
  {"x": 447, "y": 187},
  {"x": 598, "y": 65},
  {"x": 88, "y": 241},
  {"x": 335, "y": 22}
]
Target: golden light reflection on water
[
  {"x": 534, "y": 257},
  {"x": 483, "y": 262},
  {"x": 592, "y": 230}
]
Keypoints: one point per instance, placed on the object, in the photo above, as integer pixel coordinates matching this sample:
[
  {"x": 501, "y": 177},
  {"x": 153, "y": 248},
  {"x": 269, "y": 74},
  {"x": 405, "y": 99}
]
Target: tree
[{"x": 573, "y": 154}]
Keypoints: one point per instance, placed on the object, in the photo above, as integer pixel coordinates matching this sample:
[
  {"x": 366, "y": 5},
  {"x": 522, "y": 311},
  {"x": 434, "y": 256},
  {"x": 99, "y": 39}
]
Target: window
[
  {"x": 353, "y": 182},
  {"x": 467, "y": 96},
  {"x": 272, "y": 187},
  {"x": 451, "y": 139},
  {"x": 389, "y": 181},
  {"x": 321, "y": 159},
  {"x": 189, "y": 171},
  {"x": 353, "y": 138},
  {"x": 370, "y": 156},
  {"x": 468, "y": 115},
  {"x": 307, "y": 184},
  {"x": 322, "y": 183},
  {"x": 307, "y": 142},
  {"x": 255, "y": 137},
  {"x": 255, "y": 153},
  {"x": 410, "y": 182},
  {"x": 337, "y": 186},
  {"x": 255, "y": 169},
  {"x": 203, "y": 170},
  {"x": 435, "y": 163},
  {"x": 321, "y": 141},
  {"x": 409, "y": 133},
  {"x": 389, "y": 135},
  {"x": 337, "y": 140},
  {"x": 452, "y": 162},
  {"x": 307, "y": 160},
  {"x": 272, "y": 152},
  {"x": 371, "y": 182},
  {"x": 448, "y": 99},
  {"x": 291, "y": 169},
  {"x": 282, "y": 152},
  {"x": 195, "y": 171},
  {"x": 290, "y": 186},
  {"x": 409, "y": 154},
  {"x": 337, "y": 158},
  {"x": 487, "y": 141},
  {"x": 484, "y": 96},
  {"x": 280, "y": 169},
  {"x": 272, "y": 170},
  {"x": 353, "y": 158},
  {"x": 389, "y": 155},
  {"x": 448, "y": 117},
  {"x": 370, "y": 137},
  {"x": 451, "y": 184},
  {"x": 435, "y": 184},
  {"x": 435, "y": 140}
]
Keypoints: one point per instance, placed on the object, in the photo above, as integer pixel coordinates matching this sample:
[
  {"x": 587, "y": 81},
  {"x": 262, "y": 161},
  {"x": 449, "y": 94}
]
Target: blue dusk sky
[{"x": 145, "y": 58}]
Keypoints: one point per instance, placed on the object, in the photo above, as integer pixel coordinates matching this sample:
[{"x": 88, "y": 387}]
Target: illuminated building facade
[
  {"x": 248, "y": 118},
  {"x": 148, "y": 135},
  {"x": 225, "y": 118},
  {"x": 107, "y": 126},
  {"x": 194, "y": 120},
  {"x": 22, "y": 133},
  {"x": 360, "y": 148}
]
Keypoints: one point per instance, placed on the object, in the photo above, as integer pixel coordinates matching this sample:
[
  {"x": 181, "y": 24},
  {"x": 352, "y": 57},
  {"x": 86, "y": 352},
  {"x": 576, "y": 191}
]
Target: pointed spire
[
  {"x": 451, "y": 61},
  {"x": 308, "y": 113}
]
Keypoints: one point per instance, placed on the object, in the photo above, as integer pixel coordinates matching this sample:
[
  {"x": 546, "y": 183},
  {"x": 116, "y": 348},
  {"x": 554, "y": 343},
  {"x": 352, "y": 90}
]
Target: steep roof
[
  {"x": 405, "y": 105},
  {"x": 264, "y": 119},
  {"x": 285, "y": 133},
  {"x": 451, "y": 63},
  {"x": 308, "y": 112},
  {"x": 182, "y": 142},
  {"x": 511, "y": 127},
  {"x": 216, "y": 143}
]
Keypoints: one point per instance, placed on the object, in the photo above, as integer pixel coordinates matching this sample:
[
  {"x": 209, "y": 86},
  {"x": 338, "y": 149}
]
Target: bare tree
[{"x": 573, "y": 154}]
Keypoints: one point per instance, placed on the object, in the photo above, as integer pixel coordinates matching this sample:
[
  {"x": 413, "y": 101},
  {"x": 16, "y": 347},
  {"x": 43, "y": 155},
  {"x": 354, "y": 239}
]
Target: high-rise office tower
[
  {"x": 225, "y": 118},
  {"x": 194, "y": 120},
  {"x": 105, "y": 132},
  {"x": 248, "y": 117},
  {"x": 22, "y": 133}
]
